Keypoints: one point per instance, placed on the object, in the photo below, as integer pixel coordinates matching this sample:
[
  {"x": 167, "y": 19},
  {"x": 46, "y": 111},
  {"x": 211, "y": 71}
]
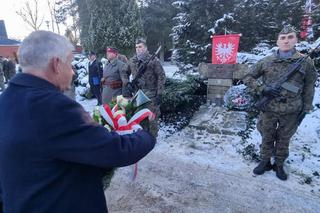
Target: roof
[
  {"x": 3, "y": 31},
  {"x": 4, "y": 37},
  {"x": 6, "y": 41}
]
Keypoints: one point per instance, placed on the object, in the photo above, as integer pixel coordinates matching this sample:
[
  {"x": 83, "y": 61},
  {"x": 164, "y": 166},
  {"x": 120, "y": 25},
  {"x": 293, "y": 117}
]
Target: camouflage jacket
[
  {"x": 153, "y": 79},
  {"x": 270, "y": 68}
]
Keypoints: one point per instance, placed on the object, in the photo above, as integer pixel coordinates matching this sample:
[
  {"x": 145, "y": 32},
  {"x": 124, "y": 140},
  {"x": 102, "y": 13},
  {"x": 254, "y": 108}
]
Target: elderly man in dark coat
[{"x": 52, "y": 154}]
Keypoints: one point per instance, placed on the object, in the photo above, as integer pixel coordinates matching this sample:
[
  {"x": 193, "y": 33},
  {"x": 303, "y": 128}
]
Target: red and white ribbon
[{"x": 119, "y": 123}]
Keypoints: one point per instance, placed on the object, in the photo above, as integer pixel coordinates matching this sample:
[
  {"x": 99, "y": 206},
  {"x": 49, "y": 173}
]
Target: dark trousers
[{"x": 96, "y": 91}]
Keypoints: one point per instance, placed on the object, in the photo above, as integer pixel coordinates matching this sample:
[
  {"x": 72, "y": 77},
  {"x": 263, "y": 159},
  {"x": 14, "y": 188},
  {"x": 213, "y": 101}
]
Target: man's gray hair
[{"x": 40, "y": 47}]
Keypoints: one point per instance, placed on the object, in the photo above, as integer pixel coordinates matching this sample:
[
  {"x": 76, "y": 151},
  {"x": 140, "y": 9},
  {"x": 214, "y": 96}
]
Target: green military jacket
[
  {"x": 270, "y": 68},
  {"x": 153, "y": 80}
]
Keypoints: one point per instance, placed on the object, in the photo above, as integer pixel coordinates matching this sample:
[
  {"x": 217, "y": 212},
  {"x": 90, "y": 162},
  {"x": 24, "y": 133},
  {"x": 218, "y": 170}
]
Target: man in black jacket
[
  {"x": 52, "y": 154},
  {"x": 95, "y": 74}
]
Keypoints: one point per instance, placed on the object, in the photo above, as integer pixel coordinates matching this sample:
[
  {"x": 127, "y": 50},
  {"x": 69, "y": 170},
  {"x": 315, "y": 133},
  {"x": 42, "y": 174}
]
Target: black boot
[
  {"x": 262, "y": 167},
  {"x": 280, "y": 173}
]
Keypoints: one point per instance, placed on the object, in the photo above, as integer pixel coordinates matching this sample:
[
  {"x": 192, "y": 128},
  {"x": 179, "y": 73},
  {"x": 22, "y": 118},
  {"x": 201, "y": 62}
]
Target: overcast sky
[{"x": 15, "y": 26}]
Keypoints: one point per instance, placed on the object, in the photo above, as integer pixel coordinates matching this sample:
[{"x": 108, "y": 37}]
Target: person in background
[
  {"x": 53, "y": 156},
  {"x": 152, "y": 82},
  {"x": 95, "y": 74},
  {"x": 278, "y": 123},
  {"x": 114, "y": 77},
  {"x": 1, "y": 73}
]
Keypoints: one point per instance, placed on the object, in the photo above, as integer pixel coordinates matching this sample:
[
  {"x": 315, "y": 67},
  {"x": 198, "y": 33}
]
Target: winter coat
[
  {"x": 114, "y": 80},
  {"x": 95, "y": 73},
  {"x": 52, "y": 154}
]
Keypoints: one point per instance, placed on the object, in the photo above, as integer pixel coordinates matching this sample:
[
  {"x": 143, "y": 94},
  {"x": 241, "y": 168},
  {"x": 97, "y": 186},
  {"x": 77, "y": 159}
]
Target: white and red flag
[{"x": 225, "y": 48}]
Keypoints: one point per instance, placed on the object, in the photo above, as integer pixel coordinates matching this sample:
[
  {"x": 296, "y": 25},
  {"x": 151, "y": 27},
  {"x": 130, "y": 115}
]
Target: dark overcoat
[{"x": 52, "y": 154}]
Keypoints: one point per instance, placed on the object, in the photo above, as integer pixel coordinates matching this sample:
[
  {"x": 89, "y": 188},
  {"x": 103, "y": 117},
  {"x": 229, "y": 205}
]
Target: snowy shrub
[{"x": 181, "y": 99}]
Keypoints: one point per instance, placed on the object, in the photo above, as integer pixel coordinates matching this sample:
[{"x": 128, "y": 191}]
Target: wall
[{"x": 8, "y": 50}]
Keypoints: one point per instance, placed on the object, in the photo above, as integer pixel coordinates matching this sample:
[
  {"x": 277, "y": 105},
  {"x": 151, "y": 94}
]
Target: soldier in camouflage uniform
[
  {"x": 151, "y": 82},
  {"x": 114, "y": 76},
  {"x": 282, "y": 116}
]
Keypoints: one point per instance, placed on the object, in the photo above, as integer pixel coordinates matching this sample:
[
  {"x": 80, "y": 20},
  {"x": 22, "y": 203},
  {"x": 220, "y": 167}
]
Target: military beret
[{"x": 288, "y": 29}]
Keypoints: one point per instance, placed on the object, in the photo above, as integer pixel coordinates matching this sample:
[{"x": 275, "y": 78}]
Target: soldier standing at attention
[
  {"x": 151, "y": 82},
  {"x": 282, "y": 116},
  {"x": 113, "y": 76}
]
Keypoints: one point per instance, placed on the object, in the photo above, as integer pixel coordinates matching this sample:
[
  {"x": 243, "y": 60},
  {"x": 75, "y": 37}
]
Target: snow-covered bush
[{"x": 181, "y": 99}]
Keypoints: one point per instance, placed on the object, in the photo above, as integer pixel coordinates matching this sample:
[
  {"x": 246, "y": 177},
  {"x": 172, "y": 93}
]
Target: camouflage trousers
[
  {"x": 276, "y": 131},
  {"x": 152, "y": 126}
]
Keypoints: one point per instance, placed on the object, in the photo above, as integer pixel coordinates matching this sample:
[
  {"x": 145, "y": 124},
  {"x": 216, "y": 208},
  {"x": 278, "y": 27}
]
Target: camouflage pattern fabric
[
  {"x": 280, "y": 120},
  {"x": 152, "y": 84},
  {"x": 10, "y": 69},
  {"x": 275, "y": 141},
  {"x": 270, "y": 68},
  {"x": 152, "y": 126}
]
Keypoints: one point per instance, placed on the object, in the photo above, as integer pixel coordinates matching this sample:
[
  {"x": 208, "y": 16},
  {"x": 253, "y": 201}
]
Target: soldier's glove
[
  {"x": 301, "y": 116},
  {"x": 127, "y": 91},
  {"x": 159, "y": 99},
  {"x": 271, "y": 92}
]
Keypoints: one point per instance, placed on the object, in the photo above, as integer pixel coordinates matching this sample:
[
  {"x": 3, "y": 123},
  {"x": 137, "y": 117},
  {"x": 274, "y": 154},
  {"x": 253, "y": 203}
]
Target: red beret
[{"x": 112, "y": 50}]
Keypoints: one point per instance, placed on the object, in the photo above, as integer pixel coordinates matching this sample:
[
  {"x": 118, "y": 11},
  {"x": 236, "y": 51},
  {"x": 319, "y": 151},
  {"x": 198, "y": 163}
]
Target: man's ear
[{"x": 55, "y": 64}]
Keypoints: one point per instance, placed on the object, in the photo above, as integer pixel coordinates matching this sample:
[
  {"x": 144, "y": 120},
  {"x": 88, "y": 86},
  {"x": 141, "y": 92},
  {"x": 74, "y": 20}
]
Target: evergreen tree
[
  {"x": 157, "y": 19},
  {"x": 109, "y": 23},
  {"x": 67, "y": 9},
  {"x": 191, "y": 33},
  {"x": 261, "y": 20},
  {"x": 256, "y": 20}
]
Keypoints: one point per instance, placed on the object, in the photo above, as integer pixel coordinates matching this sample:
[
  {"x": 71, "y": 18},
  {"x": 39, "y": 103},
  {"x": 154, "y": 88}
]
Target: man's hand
[
  {"x": 271, "y": 92},
  {"x": 102, "y": 80},
  {"x": 159, "y": 100}
]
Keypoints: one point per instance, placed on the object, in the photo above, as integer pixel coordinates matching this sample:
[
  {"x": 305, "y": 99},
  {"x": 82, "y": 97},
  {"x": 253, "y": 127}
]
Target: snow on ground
[
  {"x": 195, "y": 171},
  {"x": 171, "y": 71}
]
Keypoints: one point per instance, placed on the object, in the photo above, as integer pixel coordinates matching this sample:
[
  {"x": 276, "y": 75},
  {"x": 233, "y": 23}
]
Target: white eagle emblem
[{"x": 224, "y": 51}]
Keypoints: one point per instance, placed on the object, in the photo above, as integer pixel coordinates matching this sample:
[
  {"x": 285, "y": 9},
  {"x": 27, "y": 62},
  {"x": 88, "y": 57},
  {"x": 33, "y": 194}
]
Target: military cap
[
  {"x": 91, "y": 53},
  {"x": 288, "y": 29},
  {"x": 112, "y": 50},
  {"x": 141, "y": 40}
]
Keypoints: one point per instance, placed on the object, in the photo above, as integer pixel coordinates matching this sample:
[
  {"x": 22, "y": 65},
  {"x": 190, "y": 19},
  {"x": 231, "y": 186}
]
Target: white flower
[{"x": 122, "y": 102}]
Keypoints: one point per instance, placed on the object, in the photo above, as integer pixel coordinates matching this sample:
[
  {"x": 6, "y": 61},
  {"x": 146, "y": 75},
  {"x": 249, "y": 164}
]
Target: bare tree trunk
[
  {"x": 31, "y": 15},
  {"x": 51, "y": 10}
]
